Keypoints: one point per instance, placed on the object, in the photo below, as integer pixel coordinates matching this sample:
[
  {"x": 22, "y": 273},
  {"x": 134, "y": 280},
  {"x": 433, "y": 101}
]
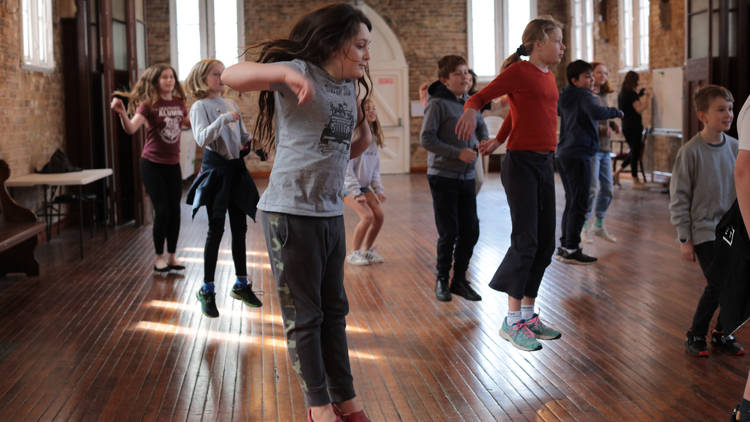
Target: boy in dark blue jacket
[{"x": 579, "y": 141}]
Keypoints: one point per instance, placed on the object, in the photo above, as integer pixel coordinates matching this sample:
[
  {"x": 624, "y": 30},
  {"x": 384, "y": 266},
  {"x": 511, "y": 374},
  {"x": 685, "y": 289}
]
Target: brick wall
[
  {"x": 31, "y": 103},
  {"x": 157, "y": 31}
]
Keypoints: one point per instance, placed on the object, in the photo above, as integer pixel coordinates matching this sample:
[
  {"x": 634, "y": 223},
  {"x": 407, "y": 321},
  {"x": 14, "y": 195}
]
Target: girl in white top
[{"x": 363, "y": 192}]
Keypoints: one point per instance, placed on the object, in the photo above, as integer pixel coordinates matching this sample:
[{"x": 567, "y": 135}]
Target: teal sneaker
[
  {"x": 208, "y": 303},
  {"x": 246, "y": 295},
  {"x": 519, "y": 336},
  {"x": 541, "y": 331}
]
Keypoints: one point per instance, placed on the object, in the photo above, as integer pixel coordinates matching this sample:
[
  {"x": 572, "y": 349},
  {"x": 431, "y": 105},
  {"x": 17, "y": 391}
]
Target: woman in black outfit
[{"x": 632, "y": 103}]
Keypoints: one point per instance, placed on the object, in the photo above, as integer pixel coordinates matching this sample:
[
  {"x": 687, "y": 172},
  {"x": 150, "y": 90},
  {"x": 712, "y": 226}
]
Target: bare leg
[
  {"x": 377, "y": 222},
  {"x": 161, "y": 261},
  {"x": 366, "y": 220}
]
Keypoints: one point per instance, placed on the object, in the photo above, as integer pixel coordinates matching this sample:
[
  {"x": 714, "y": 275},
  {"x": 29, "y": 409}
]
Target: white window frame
[
  {"x": 639, "y": 34},
  {"x": 584, "y": 30},
  {"x": 37, "y": 24},
  {"x": 207, "y": 31},
  {"x": 501, "y": 36}
]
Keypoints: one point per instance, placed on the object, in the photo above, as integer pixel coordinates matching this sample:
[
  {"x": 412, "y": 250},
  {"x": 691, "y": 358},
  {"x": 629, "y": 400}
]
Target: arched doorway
[{"x": 390, "y": 78}]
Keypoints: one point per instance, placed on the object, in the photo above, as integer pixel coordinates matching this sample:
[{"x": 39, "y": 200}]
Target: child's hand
[
  {"x": 467, "y": 124},
  {"x": 687, "y": 251},
  {"x": 467, "y": 155},
  {"x": 361, "y": 199},
  {"x": 235, "y": 115},
  {"x": 381, "y": 197},
  {"x": 301, "y": 86},
  {"x": 487, "y": 147},
  {"x": 117, "y": 106}
]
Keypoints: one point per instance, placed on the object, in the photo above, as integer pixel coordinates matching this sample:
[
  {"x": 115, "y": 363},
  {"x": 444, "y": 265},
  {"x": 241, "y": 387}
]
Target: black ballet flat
[
  {"x": 175, "y": 267},
  {"x": 161, "y": 270}
]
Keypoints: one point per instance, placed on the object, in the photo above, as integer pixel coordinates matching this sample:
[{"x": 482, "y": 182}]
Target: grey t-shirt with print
[{"x": 313, "y": 143}]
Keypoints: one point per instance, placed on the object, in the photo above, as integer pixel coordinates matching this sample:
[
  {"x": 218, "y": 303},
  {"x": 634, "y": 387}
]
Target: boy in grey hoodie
[
  {"x": 451, "y": 173},
  {"x": 701, "y": 191}
]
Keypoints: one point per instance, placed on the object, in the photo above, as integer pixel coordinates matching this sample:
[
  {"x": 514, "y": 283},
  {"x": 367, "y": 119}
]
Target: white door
[{"x": 390, "y": 77}]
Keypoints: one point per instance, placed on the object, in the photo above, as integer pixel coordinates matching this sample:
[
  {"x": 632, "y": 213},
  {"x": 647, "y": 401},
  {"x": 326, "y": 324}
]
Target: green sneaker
[
  {"x": 246, "y": 295},
  {"x": 208, "y": 303},
  {"x": 519, "y": 336},
  {"x": 541, "y": 331}
]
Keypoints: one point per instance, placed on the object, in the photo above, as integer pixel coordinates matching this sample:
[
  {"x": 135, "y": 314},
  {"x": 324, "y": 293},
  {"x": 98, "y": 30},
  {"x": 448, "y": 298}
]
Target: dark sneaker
[
  {"x": 246, "y": 295},
  {"x": 726, "y": 344},
  {"x": 735, "y": 415},
  {"x": 463, "y": 288},
  {"x": 208, "y": 303},
  {"x": 696, "y": 346},
  {"x": 577, "y": 257},
  {"x": 442, "y": 293}
]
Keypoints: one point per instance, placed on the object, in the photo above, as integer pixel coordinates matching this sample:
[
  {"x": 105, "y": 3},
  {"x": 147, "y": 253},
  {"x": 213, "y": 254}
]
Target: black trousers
[
  {"x": 454, "y": 202},
  {"x": 163, "y": 184},
  {"x": 307, "y": 260},
  {"x": 709, "y": 300},
  {"x": 238, "y": 226},
  {"x": 529, "y": 181},
  {"x": 576, "y": 177},
  {"x": 633, "y": 136}
]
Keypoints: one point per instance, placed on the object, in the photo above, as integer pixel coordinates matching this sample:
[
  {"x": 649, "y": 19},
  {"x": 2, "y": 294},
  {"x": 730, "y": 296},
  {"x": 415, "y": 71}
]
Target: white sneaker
[
  {"x": 604, "y": 234},
  {"x": 357, "y": 258},
  {"x": 373, "y": 257},
  {"x": 585, "y": 235}
]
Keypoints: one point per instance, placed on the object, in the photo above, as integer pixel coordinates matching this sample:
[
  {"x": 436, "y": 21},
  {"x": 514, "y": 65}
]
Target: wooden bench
[{"x": 18, "y": 232}]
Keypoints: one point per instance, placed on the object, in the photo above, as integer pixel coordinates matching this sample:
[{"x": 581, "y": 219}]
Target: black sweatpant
[
  {"x": 307, "y": 259},
  {"x": 238, "y": 226},
  {"x": 576, "y": 177},
  {"x": 709, "y": 300},
  {"x": 529, "y": 181},
  {"x": 454, "y": 202},
  {"x": 163, "y": 184},
  {"x": 634, "y": 138}
]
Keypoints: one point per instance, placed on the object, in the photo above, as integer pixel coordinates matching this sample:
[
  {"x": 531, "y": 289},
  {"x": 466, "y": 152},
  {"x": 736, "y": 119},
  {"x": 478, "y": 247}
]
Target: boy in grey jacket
[
  {"x": 451, "y": 173},
  {"x": 701, "y": 191}
]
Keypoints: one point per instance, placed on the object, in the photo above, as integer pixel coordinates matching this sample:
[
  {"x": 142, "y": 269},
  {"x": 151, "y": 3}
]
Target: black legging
[
  {"x": 163, "y": 184},
  {"x": 238, "y": 225},
  {"x": 633, "y": 137}
]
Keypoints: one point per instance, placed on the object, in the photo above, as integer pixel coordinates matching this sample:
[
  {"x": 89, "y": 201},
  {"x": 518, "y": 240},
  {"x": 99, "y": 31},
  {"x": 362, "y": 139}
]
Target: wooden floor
[{"x": 104, "y": 339}]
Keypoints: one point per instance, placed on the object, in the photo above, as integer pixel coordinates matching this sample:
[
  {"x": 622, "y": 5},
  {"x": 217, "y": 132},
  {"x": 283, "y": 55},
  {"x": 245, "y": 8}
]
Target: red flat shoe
[
  {"x": 351, "y": 417},
  {"x": 335, "y": 410}
]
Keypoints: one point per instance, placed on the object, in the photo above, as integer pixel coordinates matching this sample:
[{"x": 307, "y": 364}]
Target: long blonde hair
[
  {"x": 375, "y": 128},
  {"x": 195, "y": 83},
  {"x": 536, "y": 30},
  {"x": 146, "y": 89}
]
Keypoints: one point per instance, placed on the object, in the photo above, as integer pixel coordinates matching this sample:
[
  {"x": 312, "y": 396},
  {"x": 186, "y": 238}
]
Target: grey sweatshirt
[
  {"x": 702, "y": 187},
  {"x": 213, "y": 128},
  {"x": 364, "y": 171}
]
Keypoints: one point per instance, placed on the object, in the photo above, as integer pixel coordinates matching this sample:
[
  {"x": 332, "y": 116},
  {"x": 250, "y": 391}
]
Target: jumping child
[
  {"x": 224, "y": 184},
  {"x": 527, "y": 174},
  {"x": 309, "y": 85},
  {"x": 363, "y": 192},
  {"x": 158, "y": 101}
]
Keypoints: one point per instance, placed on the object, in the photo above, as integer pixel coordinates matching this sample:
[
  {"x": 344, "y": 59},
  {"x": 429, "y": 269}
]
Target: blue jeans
[{"x": 601, "y": 169}]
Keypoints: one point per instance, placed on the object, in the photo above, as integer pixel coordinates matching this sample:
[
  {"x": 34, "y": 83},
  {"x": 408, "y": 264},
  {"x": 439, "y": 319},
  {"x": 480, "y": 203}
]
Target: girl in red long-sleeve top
[{"x": 527, "y": 174}]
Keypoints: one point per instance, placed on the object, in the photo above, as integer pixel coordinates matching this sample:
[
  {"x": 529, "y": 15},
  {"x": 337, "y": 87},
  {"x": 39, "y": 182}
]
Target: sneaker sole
[
  {"x": 608, "y": 239},
  {"x": 198, "y": 296},
  {"x": 572, "y": 261},
  {"x": 507, "y": 338},
  {"x": 541, "y": 337},
  {"x": 362, "y": 264},
  {"x": 238, "y": 297}
]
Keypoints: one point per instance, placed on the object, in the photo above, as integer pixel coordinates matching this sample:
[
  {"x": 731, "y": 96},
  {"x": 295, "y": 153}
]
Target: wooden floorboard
[{"x": 103, "y": 338}]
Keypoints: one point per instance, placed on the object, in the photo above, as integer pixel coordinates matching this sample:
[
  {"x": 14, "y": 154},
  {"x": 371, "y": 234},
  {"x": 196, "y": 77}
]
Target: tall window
[
  {"x": 495, "y": 29},
  {"x": 583, "y": 30},
  {"x": 37, "y": 34},
  {"x": 635, "y": 20},
  {"x": 204, "y": 29}
]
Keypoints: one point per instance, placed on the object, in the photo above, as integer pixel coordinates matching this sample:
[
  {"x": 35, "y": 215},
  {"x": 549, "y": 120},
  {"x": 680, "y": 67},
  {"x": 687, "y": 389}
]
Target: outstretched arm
[
  {"x": 252, "y": 76},
  {"x": 129, "y": 125}
]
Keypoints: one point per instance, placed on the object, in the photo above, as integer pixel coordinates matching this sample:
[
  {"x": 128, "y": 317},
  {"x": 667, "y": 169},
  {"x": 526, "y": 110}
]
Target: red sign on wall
[{"x": 386, "y": 81}]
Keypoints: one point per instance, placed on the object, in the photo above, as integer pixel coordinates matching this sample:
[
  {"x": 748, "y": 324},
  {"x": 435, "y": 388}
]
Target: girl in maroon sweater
[{"x": 527, "y": 174}]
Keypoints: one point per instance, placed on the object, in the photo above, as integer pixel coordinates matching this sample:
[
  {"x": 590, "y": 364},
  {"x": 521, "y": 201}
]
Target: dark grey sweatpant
[
  {"x": 307, "y": 259},
  {"x": 529, "y": 181}
]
